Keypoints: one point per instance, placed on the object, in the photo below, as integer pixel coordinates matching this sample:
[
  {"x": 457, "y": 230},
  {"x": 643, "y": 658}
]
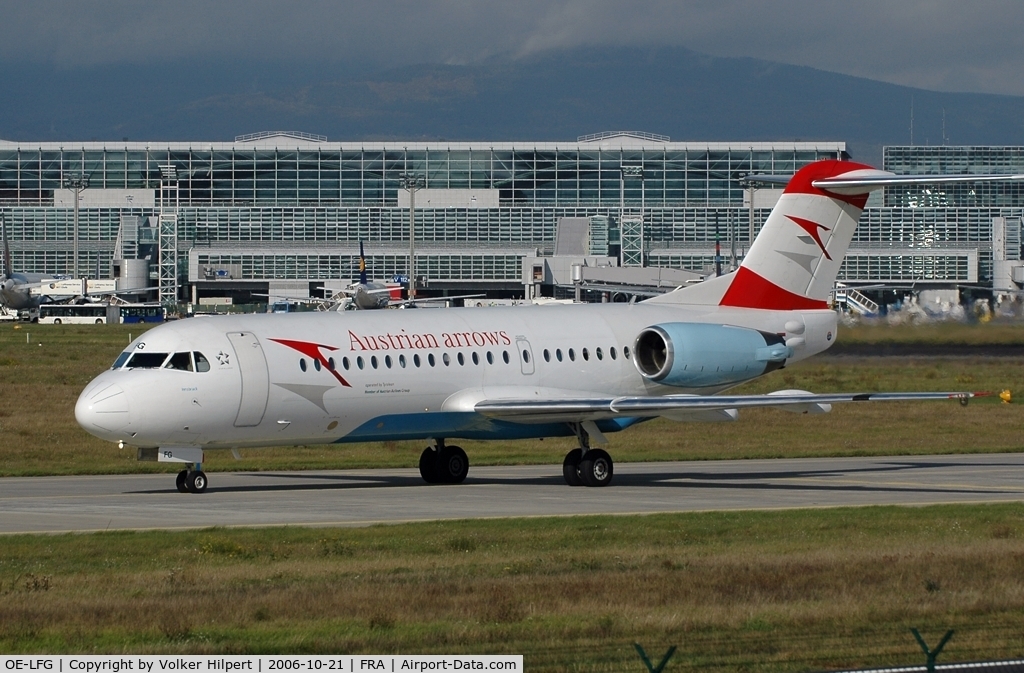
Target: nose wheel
[{"x": 191, "y": 481}]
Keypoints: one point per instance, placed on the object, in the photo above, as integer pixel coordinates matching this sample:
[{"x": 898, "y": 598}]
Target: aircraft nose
[{"x": 102, "y": 410}]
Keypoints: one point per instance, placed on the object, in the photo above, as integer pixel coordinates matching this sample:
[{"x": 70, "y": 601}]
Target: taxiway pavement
[{"x": 364, "y": 497}]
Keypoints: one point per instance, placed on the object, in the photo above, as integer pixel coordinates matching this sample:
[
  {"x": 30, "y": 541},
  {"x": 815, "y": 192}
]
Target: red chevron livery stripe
[
  {"x": 749, "y": 290},
  {"x": 312, "y": 350},
  {"x": 801, "y": 181},
  {"x": 812, "y": 229}
]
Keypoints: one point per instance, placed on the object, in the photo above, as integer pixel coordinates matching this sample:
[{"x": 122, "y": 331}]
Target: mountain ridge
[{"x": 554, "y": 95}]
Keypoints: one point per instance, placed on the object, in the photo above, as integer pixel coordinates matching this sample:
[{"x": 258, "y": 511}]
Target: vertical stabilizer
[
  {"x": 362, "y": 265},
  {"x": 8, "y": 271},
  {"x": 794, "y": 261}
]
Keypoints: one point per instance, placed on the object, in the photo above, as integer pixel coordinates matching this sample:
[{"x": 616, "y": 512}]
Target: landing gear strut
[
  {"x": 586, "y": 466},
  {"x": 441, "y": 464}
]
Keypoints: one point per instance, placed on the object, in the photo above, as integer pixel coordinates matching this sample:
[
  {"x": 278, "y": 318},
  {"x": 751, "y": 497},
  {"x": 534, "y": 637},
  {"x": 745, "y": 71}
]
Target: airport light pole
[
  {"x": 412, "y": 182},
  {"x": 76, "y": 182}
]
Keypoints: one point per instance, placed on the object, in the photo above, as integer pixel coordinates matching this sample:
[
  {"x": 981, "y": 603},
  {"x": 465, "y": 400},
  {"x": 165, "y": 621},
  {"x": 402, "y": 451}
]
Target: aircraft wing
[
  {"x": 685, "y": 407},
  {"x": 427, "y": 300}
]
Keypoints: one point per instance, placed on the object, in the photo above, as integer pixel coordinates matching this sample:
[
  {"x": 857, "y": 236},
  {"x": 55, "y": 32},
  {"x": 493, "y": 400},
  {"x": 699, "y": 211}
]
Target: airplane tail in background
[
  {"x": 794, "y": 261},
  {"x": 7, "y": 249},
  {"x": 362, "y": 264}
]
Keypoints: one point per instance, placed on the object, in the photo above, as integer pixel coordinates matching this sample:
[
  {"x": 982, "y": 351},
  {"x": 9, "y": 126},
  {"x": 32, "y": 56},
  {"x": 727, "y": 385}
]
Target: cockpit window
[
  {"x": 181, "y": 361},
  {"x": 147, "y": 360},
  {"x": 202, "y": 364},
  {"x": 121, "y": 359}
]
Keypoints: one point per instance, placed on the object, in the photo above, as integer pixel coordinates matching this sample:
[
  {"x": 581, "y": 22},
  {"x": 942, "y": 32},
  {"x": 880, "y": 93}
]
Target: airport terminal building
[{"x": 284, "y": 212}]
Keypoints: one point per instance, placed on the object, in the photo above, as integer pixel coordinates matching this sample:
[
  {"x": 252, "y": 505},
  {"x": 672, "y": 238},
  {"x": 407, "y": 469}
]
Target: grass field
[
  {"x": 752, "y": 591},
  {"x": 43, "y": 369}
]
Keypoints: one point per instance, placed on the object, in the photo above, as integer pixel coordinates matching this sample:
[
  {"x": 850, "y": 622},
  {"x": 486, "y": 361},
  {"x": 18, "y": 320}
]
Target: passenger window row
[{"x": 388, "y": 362}]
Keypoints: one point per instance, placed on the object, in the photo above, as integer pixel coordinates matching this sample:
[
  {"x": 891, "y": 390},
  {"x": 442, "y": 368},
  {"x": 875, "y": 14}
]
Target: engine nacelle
[{"x": 698, "y": 355}]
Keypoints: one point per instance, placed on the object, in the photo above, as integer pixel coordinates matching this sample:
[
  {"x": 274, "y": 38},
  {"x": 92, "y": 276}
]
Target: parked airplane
[
  {"x": 367, "y": 294},
  {"x": 15, "y": 287},
  {"x": 500, "y": 373}
]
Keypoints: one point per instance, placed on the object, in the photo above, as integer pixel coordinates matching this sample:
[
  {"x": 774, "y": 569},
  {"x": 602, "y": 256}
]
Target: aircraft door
[
  {"x": 252, "y": 365},
  {"x": 525, "y": 355}
]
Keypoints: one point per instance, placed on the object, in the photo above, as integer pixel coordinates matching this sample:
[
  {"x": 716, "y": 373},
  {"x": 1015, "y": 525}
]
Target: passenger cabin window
[
  {"x": 202, "y": 364},
  {"x": 180, "y": 361},
  {"x": 147, "y": 360}
]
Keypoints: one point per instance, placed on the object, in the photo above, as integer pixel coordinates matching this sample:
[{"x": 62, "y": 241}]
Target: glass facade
[
  {"x": 328, "y": 174},
  {"x": 281, "y": 207},
  {"x": 942, "y": 159}
]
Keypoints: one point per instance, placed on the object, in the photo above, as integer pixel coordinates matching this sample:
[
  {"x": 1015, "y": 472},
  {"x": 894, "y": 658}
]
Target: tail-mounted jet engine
[{"x": 697, "y": 355}]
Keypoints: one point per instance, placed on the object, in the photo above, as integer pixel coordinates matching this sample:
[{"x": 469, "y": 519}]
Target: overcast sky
[{"x": 945, "y": 45}]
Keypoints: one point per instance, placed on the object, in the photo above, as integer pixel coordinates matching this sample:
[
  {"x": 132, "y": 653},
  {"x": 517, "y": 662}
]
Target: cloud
[{"x": 938, "y": 44}]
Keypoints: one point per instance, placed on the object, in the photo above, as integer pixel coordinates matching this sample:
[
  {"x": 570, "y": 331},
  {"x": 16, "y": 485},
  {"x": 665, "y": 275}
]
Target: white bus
[{"x": 78, "y": 314}]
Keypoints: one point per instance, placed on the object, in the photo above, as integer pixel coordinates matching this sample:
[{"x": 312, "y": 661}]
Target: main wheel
[
  {"x": 452, "y": 465},
  {"x": 56, "y": 321},
  {"x": 571, "y": 467},
  {"x": 99, "y": 321},
  {"x": 196, "y": 481},
  {"x": 180, "y": 481},
  {"x": 428, "y": 465},
  {"x": 596, "y": 468}
]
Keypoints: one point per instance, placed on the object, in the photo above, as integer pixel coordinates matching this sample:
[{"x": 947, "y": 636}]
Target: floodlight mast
[
  {"x": 412, "y": 182},
  {"x": 76, "y": 182}
]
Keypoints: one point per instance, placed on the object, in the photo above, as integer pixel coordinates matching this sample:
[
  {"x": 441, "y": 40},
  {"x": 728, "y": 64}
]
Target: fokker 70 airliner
[{"x": 501, "y": 373}]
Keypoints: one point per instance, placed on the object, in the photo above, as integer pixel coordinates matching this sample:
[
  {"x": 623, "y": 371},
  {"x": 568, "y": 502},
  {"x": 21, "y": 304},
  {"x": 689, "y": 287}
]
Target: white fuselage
[{"x": 413, "y": 374}]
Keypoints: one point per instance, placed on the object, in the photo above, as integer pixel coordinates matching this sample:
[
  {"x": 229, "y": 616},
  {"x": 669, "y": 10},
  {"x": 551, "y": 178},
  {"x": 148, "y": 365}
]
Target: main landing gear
[
  {"x": 586, "y": 466},
  {"x": 191, "y": 481},
  {"x": 442, "y": 464}
]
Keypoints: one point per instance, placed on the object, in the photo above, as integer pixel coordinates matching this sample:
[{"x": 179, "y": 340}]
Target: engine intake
[{"x": 698, "y": 355}]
